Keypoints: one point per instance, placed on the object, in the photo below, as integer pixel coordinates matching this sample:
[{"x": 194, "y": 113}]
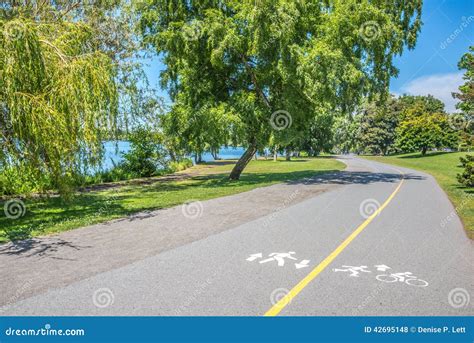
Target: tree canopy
[
  {"x": 377, "y": 123},
  {"x": 464, "y": 121},
  {"x": 420, "y": 130},
  {"x": 260, "y": 57},
  {"x": 466, "y": 91},
  {"x": 60, "y": 66}
]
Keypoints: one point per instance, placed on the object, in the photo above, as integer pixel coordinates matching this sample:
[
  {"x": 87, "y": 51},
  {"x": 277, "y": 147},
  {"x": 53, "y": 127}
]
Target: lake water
[{"x": 114, "y": 150}]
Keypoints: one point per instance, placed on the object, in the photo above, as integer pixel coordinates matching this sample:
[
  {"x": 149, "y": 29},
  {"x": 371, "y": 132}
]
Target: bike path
[{"x": 214, "y": 277}]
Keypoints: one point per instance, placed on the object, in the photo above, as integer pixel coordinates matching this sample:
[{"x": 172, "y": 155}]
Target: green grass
[
  {"x": 444, "y": 167},
  {"x": 45, "y": 216}
]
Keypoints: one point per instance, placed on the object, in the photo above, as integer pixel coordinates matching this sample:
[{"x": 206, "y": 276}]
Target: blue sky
[{"x": 430, "y": 68}]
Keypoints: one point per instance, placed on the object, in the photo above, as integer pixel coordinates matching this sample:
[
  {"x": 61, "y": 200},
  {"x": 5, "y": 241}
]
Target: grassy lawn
[
  {"x": 45, "y": 216},
  {"x": 444, "y": 167}
]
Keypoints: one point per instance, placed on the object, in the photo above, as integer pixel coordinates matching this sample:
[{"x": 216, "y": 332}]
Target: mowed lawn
[
  {"x": 444, "y": 167},
  {"x": 45, "y": 216}
]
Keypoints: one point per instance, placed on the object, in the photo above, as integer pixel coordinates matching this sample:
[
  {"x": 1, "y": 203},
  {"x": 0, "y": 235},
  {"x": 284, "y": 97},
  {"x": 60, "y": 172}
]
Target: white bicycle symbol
[{"x": 407, "y": 278}]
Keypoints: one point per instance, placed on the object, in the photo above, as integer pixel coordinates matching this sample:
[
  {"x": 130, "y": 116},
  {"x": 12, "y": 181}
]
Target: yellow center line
[{"x": 283, "y": 302}]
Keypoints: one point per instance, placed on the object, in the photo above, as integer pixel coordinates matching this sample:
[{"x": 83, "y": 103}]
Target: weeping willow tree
[{"x": 59, "y": 92}]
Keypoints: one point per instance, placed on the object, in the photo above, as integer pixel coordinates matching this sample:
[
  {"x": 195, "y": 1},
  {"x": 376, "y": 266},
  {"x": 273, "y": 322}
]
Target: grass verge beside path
[
  {"x": 44, "y": 216},
  {"x": 444, "y": 167}
]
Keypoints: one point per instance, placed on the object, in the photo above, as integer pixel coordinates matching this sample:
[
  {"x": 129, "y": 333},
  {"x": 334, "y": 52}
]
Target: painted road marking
[
  {"x": 254, "y": 257},
  {"x": 382, "y": 267},
  {"x": 354, "y": 271},
  {"x": 406, "y": 277},
  {"x": 302, "y": 264},
  {"x": 279, "y": 257},
  {"x": 280, "y": 305}
]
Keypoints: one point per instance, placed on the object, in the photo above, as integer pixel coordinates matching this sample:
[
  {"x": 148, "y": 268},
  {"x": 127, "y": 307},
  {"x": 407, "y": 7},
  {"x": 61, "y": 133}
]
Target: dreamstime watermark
[
  {"x": 47, "y": 330},
  {"x": 103, "y": 297},
  {"x": 281, "y": 120},
  {"x": 459, "y": 297},
  {"x": 193, "y": 30},
  {"x": 464, "y": 24},
  {"x": 192, "y": 209},
  {"x": 368, "y": 207},
  {"x": 21, "y": 291},
  {"x": 14, "y": 208},
  {"x": 287, "y": 202},
  {"x": 369, "y": 30},
  {"x": 280, "y": 297},
  {"x": 457, "y": 209},
  {"x": 366, "y": 302},
  {"x": 200, "y": 289}
]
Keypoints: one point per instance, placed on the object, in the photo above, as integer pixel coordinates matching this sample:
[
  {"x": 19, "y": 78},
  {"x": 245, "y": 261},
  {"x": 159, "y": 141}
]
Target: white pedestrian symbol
[
  {"x": 382, "y": 268},
  {"x": 279, "y": 257},
  {"x": 354, "y": 270},
  {"x": 302, "y": 264},
  {"x": 254, "y": 257}
]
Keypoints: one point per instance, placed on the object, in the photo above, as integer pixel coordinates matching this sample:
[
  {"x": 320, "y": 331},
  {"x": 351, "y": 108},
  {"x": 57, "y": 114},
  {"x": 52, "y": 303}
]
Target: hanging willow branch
[{"x": 58, "y": 97}]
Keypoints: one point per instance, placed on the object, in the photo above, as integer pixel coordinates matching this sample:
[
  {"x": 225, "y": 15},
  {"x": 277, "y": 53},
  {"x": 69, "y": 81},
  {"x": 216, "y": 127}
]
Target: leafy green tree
[
  {"x": 428, "y": 102},
  {"x": 146, "y": 156},
  {"x": 466, "y": 178},
  {"x": 464, "y": 121},
  {"x": 420, "y": 130},
  {"x": 318, "y": 135},
  {"x": 466, "y": 91},
  {"x": 259, "y": 57},
  {"x": 345, "y": 129},
  {"x": 377, "y": 130},
  {"x": 60, "y": 63},
  {"x": 190, "y": 132}
]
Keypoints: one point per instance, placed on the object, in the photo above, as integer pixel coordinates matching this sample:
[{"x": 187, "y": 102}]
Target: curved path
[{"x": 370, "y": 240}]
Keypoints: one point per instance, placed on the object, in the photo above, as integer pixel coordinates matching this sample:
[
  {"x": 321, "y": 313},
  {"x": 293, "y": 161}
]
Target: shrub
[
  {"x": 181, "y": 165},
  {"x": 467, "y": 176},
  {"x": 146, "y": 156},
  {"x": 22, "y": 179}
]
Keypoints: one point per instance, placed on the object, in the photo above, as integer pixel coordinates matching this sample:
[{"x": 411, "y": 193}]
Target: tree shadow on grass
[
  {"x": 42, "y": 214},
  {"x": 419, "y": 155},
  {"x": 90, "y": 208},
  {"x": 327, "y": 177}
]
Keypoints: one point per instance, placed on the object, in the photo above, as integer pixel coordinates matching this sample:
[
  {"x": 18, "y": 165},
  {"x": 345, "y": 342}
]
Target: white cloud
[{"x": 440, "y": 86}]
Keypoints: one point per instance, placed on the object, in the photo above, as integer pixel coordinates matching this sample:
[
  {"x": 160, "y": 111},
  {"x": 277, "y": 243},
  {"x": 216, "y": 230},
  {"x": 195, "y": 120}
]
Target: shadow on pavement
[
  {"x": 353, "y": 177},
  {"x": 24, "y": 245},
  {"x": 37, "y": 246}
]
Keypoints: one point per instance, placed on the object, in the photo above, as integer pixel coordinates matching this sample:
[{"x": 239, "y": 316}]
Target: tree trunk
[
  {"x": 288, "y": 154},
  {"x": 242, "y": 162},
  {"x": 215, "y": 154},
  {"x": 172, "y": 156},
  {"x": 423, "y": 150},
  {"x": 198, "y": 158},
  {"x": 275, "y": 153}
]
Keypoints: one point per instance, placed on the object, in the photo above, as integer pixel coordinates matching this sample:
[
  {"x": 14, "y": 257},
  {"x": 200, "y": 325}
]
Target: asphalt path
[{"x": 373, "y": 240}]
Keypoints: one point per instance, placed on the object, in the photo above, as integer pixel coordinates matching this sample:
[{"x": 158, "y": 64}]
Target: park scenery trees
[
  {"x": 273, "y": 77},
  {"x": 287, "y": 80},
  {"x": 64, "y": 67},
  {"x": 465, "y": 120},
  {"x": 274, "y": 64}
]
